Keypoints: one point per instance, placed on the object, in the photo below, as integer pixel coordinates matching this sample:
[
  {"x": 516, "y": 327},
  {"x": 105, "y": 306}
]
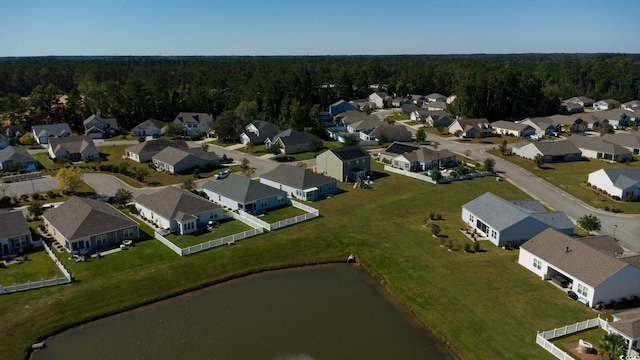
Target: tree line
[{"x": 290, "y": 91}]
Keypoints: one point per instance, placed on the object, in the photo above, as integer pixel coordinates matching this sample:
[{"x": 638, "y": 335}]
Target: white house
[
  {"x": 300, "y": 183},
  {"x": 42, "y": 133},
  {"x": 193, "y": 123},
  {"x": 512, "y": 128},
  {"x": 623, "y": 183},
  {"x": 502, "y": 221},
  {"x": 552, "y": 151},
  {"x": 592, "y": 267},
  {"x": 238, "y": 192},
  {"x": 151, "y": 127},
  {"x": 178, "y": 210},
  {"x": 381, "y": 99}
]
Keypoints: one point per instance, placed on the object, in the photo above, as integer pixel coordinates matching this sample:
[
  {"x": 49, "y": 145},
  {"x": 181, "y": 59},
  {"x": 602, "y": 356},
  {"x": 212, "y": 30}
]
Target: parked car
[
  {"x": 225, "y": 160},
  {"x": 222, "y": 174}
]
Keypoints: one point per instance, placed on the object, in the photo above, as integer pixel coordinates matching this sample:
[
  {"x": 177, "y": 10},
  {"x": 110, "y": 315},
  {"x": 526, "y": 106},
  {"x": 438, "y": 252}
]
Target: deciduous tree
[
  {"x": 589, "y": 223},
  {"x": 69, "y": 179},
  {"x": 122, "y": 197}
]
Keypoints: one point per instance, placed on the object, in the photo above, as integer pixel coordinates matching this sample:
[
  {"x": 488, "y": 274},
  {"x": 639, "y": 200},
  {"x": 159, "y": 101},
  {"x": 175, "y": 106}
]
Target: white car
[{"x": 222, "y": 174}]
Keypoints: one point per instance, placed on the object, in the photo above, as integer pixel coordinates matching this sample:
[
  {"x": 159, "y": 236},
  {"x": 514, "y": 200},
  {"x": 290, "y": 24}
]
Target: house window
[
  {"x": 537, "y": 264},
  {"x": 280, "y": 198},
  {"x": 471, "y": 218},
  {"x": 101, "y": 240},
  {"x": 19, "y": 242},
  {"x": 583, "y": 290},
  {"x": 213, "y": 215},
  {"x": 129, "y": 233},
  {"x": 493, "y": 234},
  {"x": 263, "y": 203}
]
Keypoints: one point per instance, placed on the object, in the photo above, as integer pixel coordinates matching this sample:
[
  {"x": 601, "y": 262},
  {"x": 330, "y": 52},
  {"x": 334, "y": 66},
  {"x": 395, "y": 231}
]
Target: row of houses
[{"x": 578, "y": 104}]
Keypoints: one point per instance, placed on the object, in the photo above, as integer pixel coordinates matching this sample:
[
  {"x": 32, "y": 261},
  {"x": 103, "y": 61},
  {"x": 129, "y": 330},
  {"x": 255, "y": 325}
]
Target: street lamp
[{"x": 614, "y": 231}]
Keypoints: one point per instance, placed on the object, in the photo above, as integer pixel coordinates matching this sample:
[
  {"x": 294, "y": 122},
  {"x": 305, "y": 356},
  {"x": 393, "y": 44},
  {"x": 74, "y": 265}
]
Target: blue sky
[{"x": 327, "y": 27}]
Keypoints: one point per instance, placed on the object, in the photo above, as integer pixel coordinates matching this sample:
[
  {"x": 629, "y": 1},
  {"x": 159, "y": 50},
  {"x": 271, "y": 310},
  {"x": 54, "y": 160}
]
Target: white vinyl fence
[
  {"x": 428, "y": 179},
  {"x": 29, "y": 285},
  {"x": 207, "y": 244},
  {"x": 542, "y": 338},
  {"x": 257, "y": 222}
]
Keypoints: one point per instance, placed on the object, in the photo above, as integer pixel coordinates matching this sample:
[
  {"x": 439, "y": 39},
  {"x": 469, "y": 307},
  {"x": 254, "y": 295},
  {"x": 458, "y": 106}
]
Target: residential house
[
  {"x": 381, "y": 99},
  {"x": 407, "y": 109},
  {"x": 194, "y": 123},
  {"x": 83, "y": 225},
  {"x": 569, "y": 123},
  {"x": 300, "y": 183},
  {"x": 552, "y": 151},
  {"x": 183, "y": 161},
  {"x": 4, "y": 141},
  {"x": 14, "y": 154},
  {"x": 616, "y": 117},
  {"x": 582, "y": 100},
  {"x": 100, "y": 128},
  {"x": 570, "y": 108},
  {"x": 345, "y": 164},
  {"x": 592, "y": 267},
  {"x": 606, "y": 104},
  {"x": 416, "y": 99},
  {"x": 395, "y": 149},
  {"x": 145, "y": 151},
  {"x": 388, "y": 133},
  {"x": 150, "y": 127},
  {"x": 423, "y": 159},
  {"x": 293, "y": 142},
  {"x": 629, "y": 141},
  {"x": 437, "y": 118},
  {"x": 258, "y": 131},
  {"x": 542, "y": 125},
  {"x": 238, "y": 192},
  {"x": 623, "y": 183},
  {"x": 633, "y": 105},
  {"x": 598, "y": 148},
  {"x": 364, "y": 124},
  {"x": 341, "y": 106},
  {"x": 14, "y": 232},
  {"x": 42, "y": 133},
  {"x": 513, "y": 129},
  {"x": 75, "y": 148},
  {"x": 471, "y": 128},
  {"x": 362, "y": 104},
  {"x": 397, "y": 102},
  {"x": 12, "y": 133},
  {"x": 502, "y": 221},
  {"x": 178, "y": 210},
  {"x": 435, "y": 106},
  {"x": 627, "y": 325},
  {"x": 436, "y": 97},
  {"x": 350, "y": 116}
]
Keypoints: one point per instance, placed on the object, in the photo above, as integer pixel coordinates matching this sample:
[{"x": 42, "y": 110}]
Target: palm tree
[{"x": 613, "y": 346}]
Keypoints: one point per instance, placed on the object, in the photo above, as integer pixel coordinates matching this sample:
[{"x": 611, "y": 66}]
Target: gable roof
[
  {"x": 500, "y": 214},
  {"x": 157, "y": 145},
  {"x": 623, "y": 178},
  {"x": 12, "y": 224},
  {"x": 632, "y": 104},
  {"x": 297, "y": 177},
  {"x": 554, "y": 147},
  {"x": 294, "y": 137},
  {"x": 551, "y": 246},
  {"x": 151, "y": 122},
  {"x": 597, "y": 144},
  {"x": 424, "y": 154},
  {"x": 172, "y": 202},
  {"x": 81, "y": 217},
  {"x": 73, "y": 144},
  {"x": 15, "y": 153},
  {"x": 509, "y": 125},
  {"x": 628, "y": 323},
  {"x": 349, "y": 153},
  {"x": 400, "y": 148},
  {"x": 61, "y": 129},
  {"x": 112, "y": 122},
  {"x": 624, "y": 139},
  {"x": 242, "y": 189},
  {"x": 171, "y": 155},
  {"x": 8, "y": 130},
  {"x": 391, "y": 130},
  {"x": 199, "y": 117}
]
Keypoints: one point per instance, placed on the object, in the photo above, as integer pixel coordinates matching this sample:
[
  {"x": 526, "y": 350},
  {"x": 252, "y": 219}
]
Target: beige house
[
  {"x": 14, "y": 232},
  {"x": 74, "y": 148},
  {"x": 345, "y": 164}
]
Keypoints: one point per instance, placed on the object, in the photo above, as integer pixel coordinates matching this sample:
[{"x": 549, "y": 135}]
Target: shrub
[
  {"x": 606, "y": 208},
  {"x": 476, "y": 246},
  {"x": 42, "y": 228},
  {"x": 5, "y": 199},
  {"x": 24, "y": 197},
  {"x": 467, "y": 247},
  {"x": 438, "y": 217},
  {"x": 51, "y": 194},
  {"x": 35, "y": 196},
  {"x": 432, "y": 216}
]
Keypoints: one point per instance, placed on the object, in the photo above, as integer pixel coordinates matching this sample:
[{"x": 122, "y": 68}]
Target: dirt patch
[{"x": 573, "y": 348}]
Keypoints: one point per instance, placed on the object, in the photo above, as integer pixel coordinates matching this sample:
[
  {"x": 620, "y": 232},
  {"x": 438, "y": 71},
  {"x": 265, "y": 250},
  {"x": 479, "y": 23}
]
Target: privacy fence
[{"x": 542, "y": 338}]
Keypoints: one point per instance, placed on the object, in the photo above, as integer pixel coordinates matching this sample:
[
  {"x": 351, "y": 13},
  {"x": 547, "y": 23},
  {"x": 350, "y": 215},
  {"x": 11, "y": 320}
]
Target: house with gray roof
[
  {"x": 471, "y": 128},
  {"x": 100, "y": 128},
  {"x": 606, "y": 104},
  {"x": 14, "y": 232},
  {"x": 570, "y": 108},
  {"x": 150, "y": 127},
  {"x": 14, "y": 154},
  {"x": 433, "y": 118},
  {"x": 85, "y": 225},
  {"x": 582, "y": 100},
  {"x": 552, "y": 151},
  {"x": 238, "y": 192},
  {"x": 435, "y": 97},
  {"x": 633, "y": 105},
  {"x": 381, "y": 99},
  {"x": 42, "y": 133},
  {"x": 12, "y": 134},
  {"x": 512, "y": 128},
  {"x": 145, "y": 151},
  {"x": 424, "y": 158},
  {"x": 74, "y": 148},
  {"x": 595, "y": 147},
  {"x": 502, "y": 221},
  {"x": 593, "y": 268},
  {"x": 341, "y": 106},
  {"x": 293, "y": 141},
  {"x": 345, "y": 164},
  {"x": 435, "y": 105},
  {"x": 627, "y": 325},
  {"x": 300, "y": 183},
  {"x": 395, "y": 149},
  {"x": 194, "y": 123},
  {"x": 4, "y": 141},
  {"x": 183, "y": 161},
  {"x": 178, "y": 210},
  {"x": 623, "y": 183},
  {"x": 629, "y": 141},
  {"x": 389, "y": 132},
  {"x": 258, "y": 131},
  {"x": 569, "y": 123},
  {"x": 543, "y": 125}
]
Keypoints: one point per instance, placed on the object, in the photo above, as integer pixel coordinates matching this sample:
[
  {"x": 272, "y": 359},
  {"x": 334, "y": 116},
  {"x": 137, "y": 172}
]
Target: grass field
[
  {"x": 571, "y": 177},
  {"x": 482, "y": 305},
  {"x": 227, "y": 227}
]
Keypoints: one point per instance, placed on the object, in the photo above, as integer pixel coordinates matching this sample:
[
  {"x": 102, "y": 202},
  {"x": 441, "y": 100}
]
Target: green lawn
[
  {"x": 482, "y": 305},
  {"x": 571, "y": 177},
  {"x": 281, "y": 213},
  {"x": 227, "y": 227},
  {"x": 38, "y": 266}
]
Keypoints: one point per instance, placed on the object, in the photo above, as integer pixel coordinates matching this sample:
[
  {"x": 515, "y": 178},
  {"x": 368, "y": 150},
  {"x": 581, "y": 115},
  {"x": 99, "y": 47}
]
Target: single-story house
[
  {"x": 178, "y": 210},
  {"x": 435, "y": 106},
  {"x": 616, "y": 117},
  {"x": 623, "y": 183},
  {"x": 433, "y": 118},
  {"x": 629, "y": 141},
  {"x": 511, "y": 128},
  {"x": 471, "y": 128},
  {"x": 633, "y": 105},
  {"x": 182, "y": 161},
  {"x": 14, "y": 154},
  {"x": 12, "y": 133},
  {"x": 592, "y": 266},
  {"x": 145, "y": 151},
  {"x": 570, "y": 108},
  {"x": 14, "y": 232},
  {"x": 83, "y": 225},
  {"x": 388, "y": 132},
  {"x": 571, "y": 123},
  {"x": 543, "y": 125},
  {"x": 194, "y": 123},
  {"x": 407, "y": 109},
  {"x": 598, "y": 148},
  {"x": 395, "y": 149},
  {"x": 606, "y": 104},
  {"x": 553, "y": 151},
  {"x": 300, "y": 183},
  {"x": 4, "y": 141},
  {"x": 416, "y": 99},
  {"x": 238, "y": 192},
  {"x": 627, "y": 325},
  {"x": 341, "y": 106},
  {"x": 42, "y": 133},
  {"x": 502, "y": 221},
  {"x": 293, "y": 141},
  {"x": 423, "y": 159},
  {"x": 582, "y": 100},
  {"x": 436, "y": 97},
  {"x": 345, "y": 164},
  {"x": 151, "y": 127},
  {"x": 73, "y": 148},
  {"x": 364, "y": 124},
  {"x": 100, "y": 128},
  {"x": 258, "y": 131}
]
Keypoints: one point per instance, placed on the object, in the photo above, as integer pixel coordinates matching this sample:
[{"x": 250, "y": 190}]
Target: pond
[{"x": 320, "y": 312}]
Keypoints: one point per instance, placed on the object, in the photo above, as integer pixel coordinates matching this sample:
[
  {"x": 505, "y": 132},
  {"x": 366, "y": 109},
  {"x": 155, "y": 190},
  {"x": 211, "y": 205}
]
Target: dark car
[{"x": 572, "y": 295}]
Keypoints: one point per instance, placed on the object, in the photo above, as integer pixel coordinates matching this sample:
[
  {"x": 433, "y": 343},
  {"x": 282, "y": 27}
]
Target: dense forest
[{"x": 290, "y": 90}]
